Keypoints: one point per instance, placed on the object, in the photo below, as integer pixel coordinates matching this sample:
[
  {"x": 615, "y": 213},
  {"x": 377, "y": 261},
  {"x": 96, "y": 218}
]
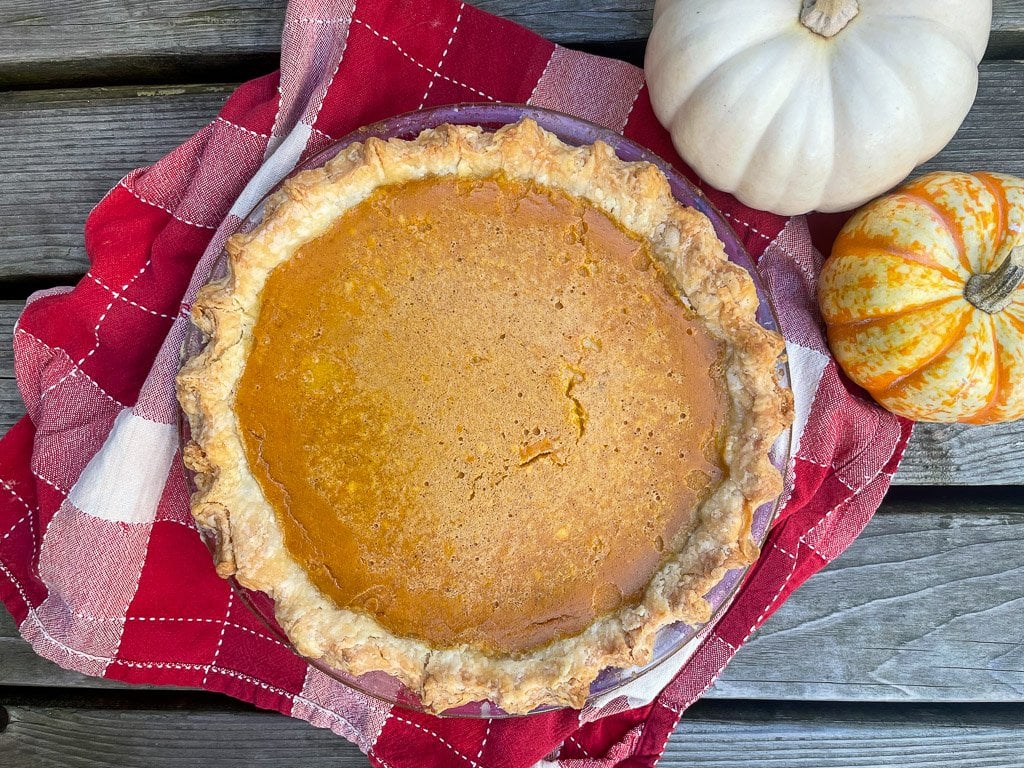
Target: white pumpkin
[{"x": 820, "y": 106}]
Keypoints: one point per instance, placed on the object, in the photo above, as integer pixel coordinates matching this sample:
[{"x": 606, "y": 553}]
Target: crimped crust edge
[{"x": 250, "y": 545}]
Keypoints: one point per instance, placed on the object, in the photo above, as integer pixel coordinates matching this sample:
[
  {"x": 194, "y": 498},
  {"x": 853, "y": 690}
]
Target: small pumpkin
[
  {"x": 923, "y": 298},
  {"x": 821, "y": 105}
]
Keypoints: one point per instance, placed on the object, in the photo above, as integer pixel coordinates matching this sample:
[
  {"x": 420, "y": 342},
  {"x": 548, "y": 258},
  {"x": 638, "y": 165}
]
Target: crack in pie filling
[{"x": 483, "y": 411}]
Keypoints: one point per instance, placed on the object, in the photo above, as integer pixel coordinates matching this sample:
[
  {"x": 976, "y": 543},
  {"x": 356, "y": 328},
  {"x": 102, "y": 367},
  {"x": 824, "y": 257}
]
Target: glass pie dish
[{"x": 673, "y": 641}]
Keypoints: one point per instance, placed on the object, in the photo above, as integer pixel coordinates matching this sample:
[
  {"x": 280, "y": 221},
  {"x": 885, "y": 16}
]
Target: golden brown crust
[{"x": 229, "y": 501}]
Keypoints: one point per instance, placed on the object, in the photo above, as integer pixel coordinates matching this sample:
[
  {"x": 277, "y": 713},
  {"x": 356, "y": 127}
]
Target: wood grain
[
  {"x": 711, "y": 735},
  {"x": 94, "y": 41},
  {"x": 717, "y": 734},
  {"x": 989, "y": 138},
  {"x": 9, "y": 311},
  {"x": 1007, "y": 39},
  {"x": 91, "y": 41},
  {"x": 11, "y": 406},
  {"x": 963, "y": 454},
  {"x": 924, "y": 606},
  {"x": 38, "y": 737},
  {"x": 65, "y": 149}
]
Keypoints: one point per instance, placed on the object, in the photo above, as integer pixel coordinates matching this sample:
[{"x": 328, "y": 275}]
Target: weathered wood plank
[
  {"x": 11, "y": 406},
  {"x": 963, "y": 454},
  {"x": 90, "y": 41},
  {"x": 9, "y": 311},
  {"x": 1007, "y": 39},
  {"x": 990, "y": 137},
  {"x": 925, "y": 606},
  {"x": 716, "y": 734},
  {"x": 48, "y": 736},
  {"x": 43, "y": 43},
  {"x": 711, "y": 735},
  {"x": 65, "y": 149}
]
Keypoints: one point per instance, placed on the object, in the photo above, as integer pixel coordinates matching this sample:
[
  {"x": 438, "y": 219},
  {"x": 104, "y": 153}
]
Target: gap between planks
[
  {"x": 924, "y": 607},
  {"x": 711, "y": 735},
  {"x": 180, "y": 40},
  {"x": 65, "y": 149}
]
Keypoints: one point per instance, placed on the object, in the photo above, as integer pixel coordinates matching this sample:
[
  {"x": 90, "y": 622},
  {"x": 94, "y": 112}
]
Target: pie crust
[{"x": 229, "y": 501}]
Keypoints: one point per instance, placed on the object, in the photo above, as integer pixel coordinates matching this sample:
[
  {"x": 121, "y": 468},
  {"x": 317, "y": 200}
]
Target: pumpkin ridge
[
  {"x": 736, "y": 59},
  {"x": 883, "y": 61},
  {"x": 861, "y": 243},
  {"x": 753, "y": 47},
  {"x": 999, "y": 193},
  {"x": 781, "y": 116},
  {"x": 940, "y": 30},
  {"x": 999, "y": 376},
  {"x": 947, "y": 219},
  {"x": 865, "y": 322},
  {"x": 709, "y": 27},
  {"x": 955, "y": 336},
  {"x": 1016, "y": 322}
]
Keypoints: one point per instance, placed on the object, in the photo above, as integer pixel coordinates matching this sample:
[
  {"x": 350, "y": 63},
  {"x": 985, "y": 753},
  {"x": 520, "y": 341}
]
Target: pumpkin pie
[{"x": 483, "y": 411}]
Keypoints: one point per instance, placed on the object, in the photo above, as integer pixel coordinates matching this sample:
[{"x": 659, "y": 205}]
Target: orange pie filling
[{"x": 479, "y": 413}]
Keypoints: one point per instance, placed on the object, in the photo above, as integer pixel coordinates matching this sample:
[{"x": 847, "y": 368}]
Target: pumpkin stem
[
  {"x": 828, "y": 17},
  {"x": 992, "y": 291}
]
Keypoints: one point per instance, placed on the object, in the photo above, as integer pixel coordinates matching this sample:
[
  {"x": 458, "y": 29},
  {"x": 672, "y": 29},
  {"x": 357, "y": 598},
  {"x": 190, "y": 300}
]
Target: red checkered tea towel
[{"x": 100, "y": 562}]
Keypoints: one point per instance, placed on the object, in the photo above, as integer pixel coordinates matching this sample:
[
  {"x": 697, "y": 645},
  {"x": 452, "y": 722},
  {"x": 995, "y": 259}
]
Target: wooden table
[{"x": 909, "y": 649}]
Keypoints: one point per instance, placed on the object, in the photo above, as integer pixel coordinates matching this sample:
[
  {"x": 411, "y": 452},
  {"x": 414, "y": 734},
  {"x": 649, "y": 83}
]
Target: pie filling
[{"x": 479, "y": 413}]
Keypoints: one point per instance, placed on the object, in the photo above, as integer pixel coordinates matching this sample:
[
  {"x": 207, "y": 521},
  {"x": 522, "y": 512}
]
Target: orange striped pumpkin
[{"x": 923, "y": 297}]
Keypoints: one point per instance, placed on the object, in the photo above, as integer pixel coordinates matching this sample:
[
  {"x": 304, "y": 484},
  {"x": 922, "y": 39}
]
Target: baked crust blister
[{"x": 250, "y": 544}]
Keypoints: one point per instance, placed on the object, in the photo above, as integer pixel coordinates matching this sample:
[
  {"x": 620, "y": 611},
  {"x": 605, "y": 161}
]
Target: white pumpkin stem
[
  {"x": 828, "y": 17},
  {"x": 992, "y": 291}
]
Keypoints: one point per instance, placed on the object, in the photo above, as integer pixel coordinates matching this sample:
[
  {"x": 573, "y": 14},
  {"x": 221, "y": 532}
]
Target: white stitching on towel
[
  {"x": 751, "y": 227},
  {"x": 195, "y": 620},
  {"x": 117, "y": 295},
  {"x": 242, "y": 128},
  {"x": 541, "y": 78},
  {"x": 632, "y": 104},
  {"x": 447, "y": 46},
  {"x": 6, "y": 484},
  {"x": 14, "y": 527},
  {"x": 220, "y": 640},
  {"x": 96, "y": 335},
  {"x": 324, "y": 22},
  {"x": 50, "y": 483},
  {"x": 424, "y": 67},
  {"x": 468, "y": 759},
  {"x": 487, "y": 733},
  {"x": 327, "y": 136},
  {"x": 580, "y": 747},
  {"x": 75, "y": 370},
  {"x": 147, "y": 201},
  {"x": 678, "y": 715}
]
